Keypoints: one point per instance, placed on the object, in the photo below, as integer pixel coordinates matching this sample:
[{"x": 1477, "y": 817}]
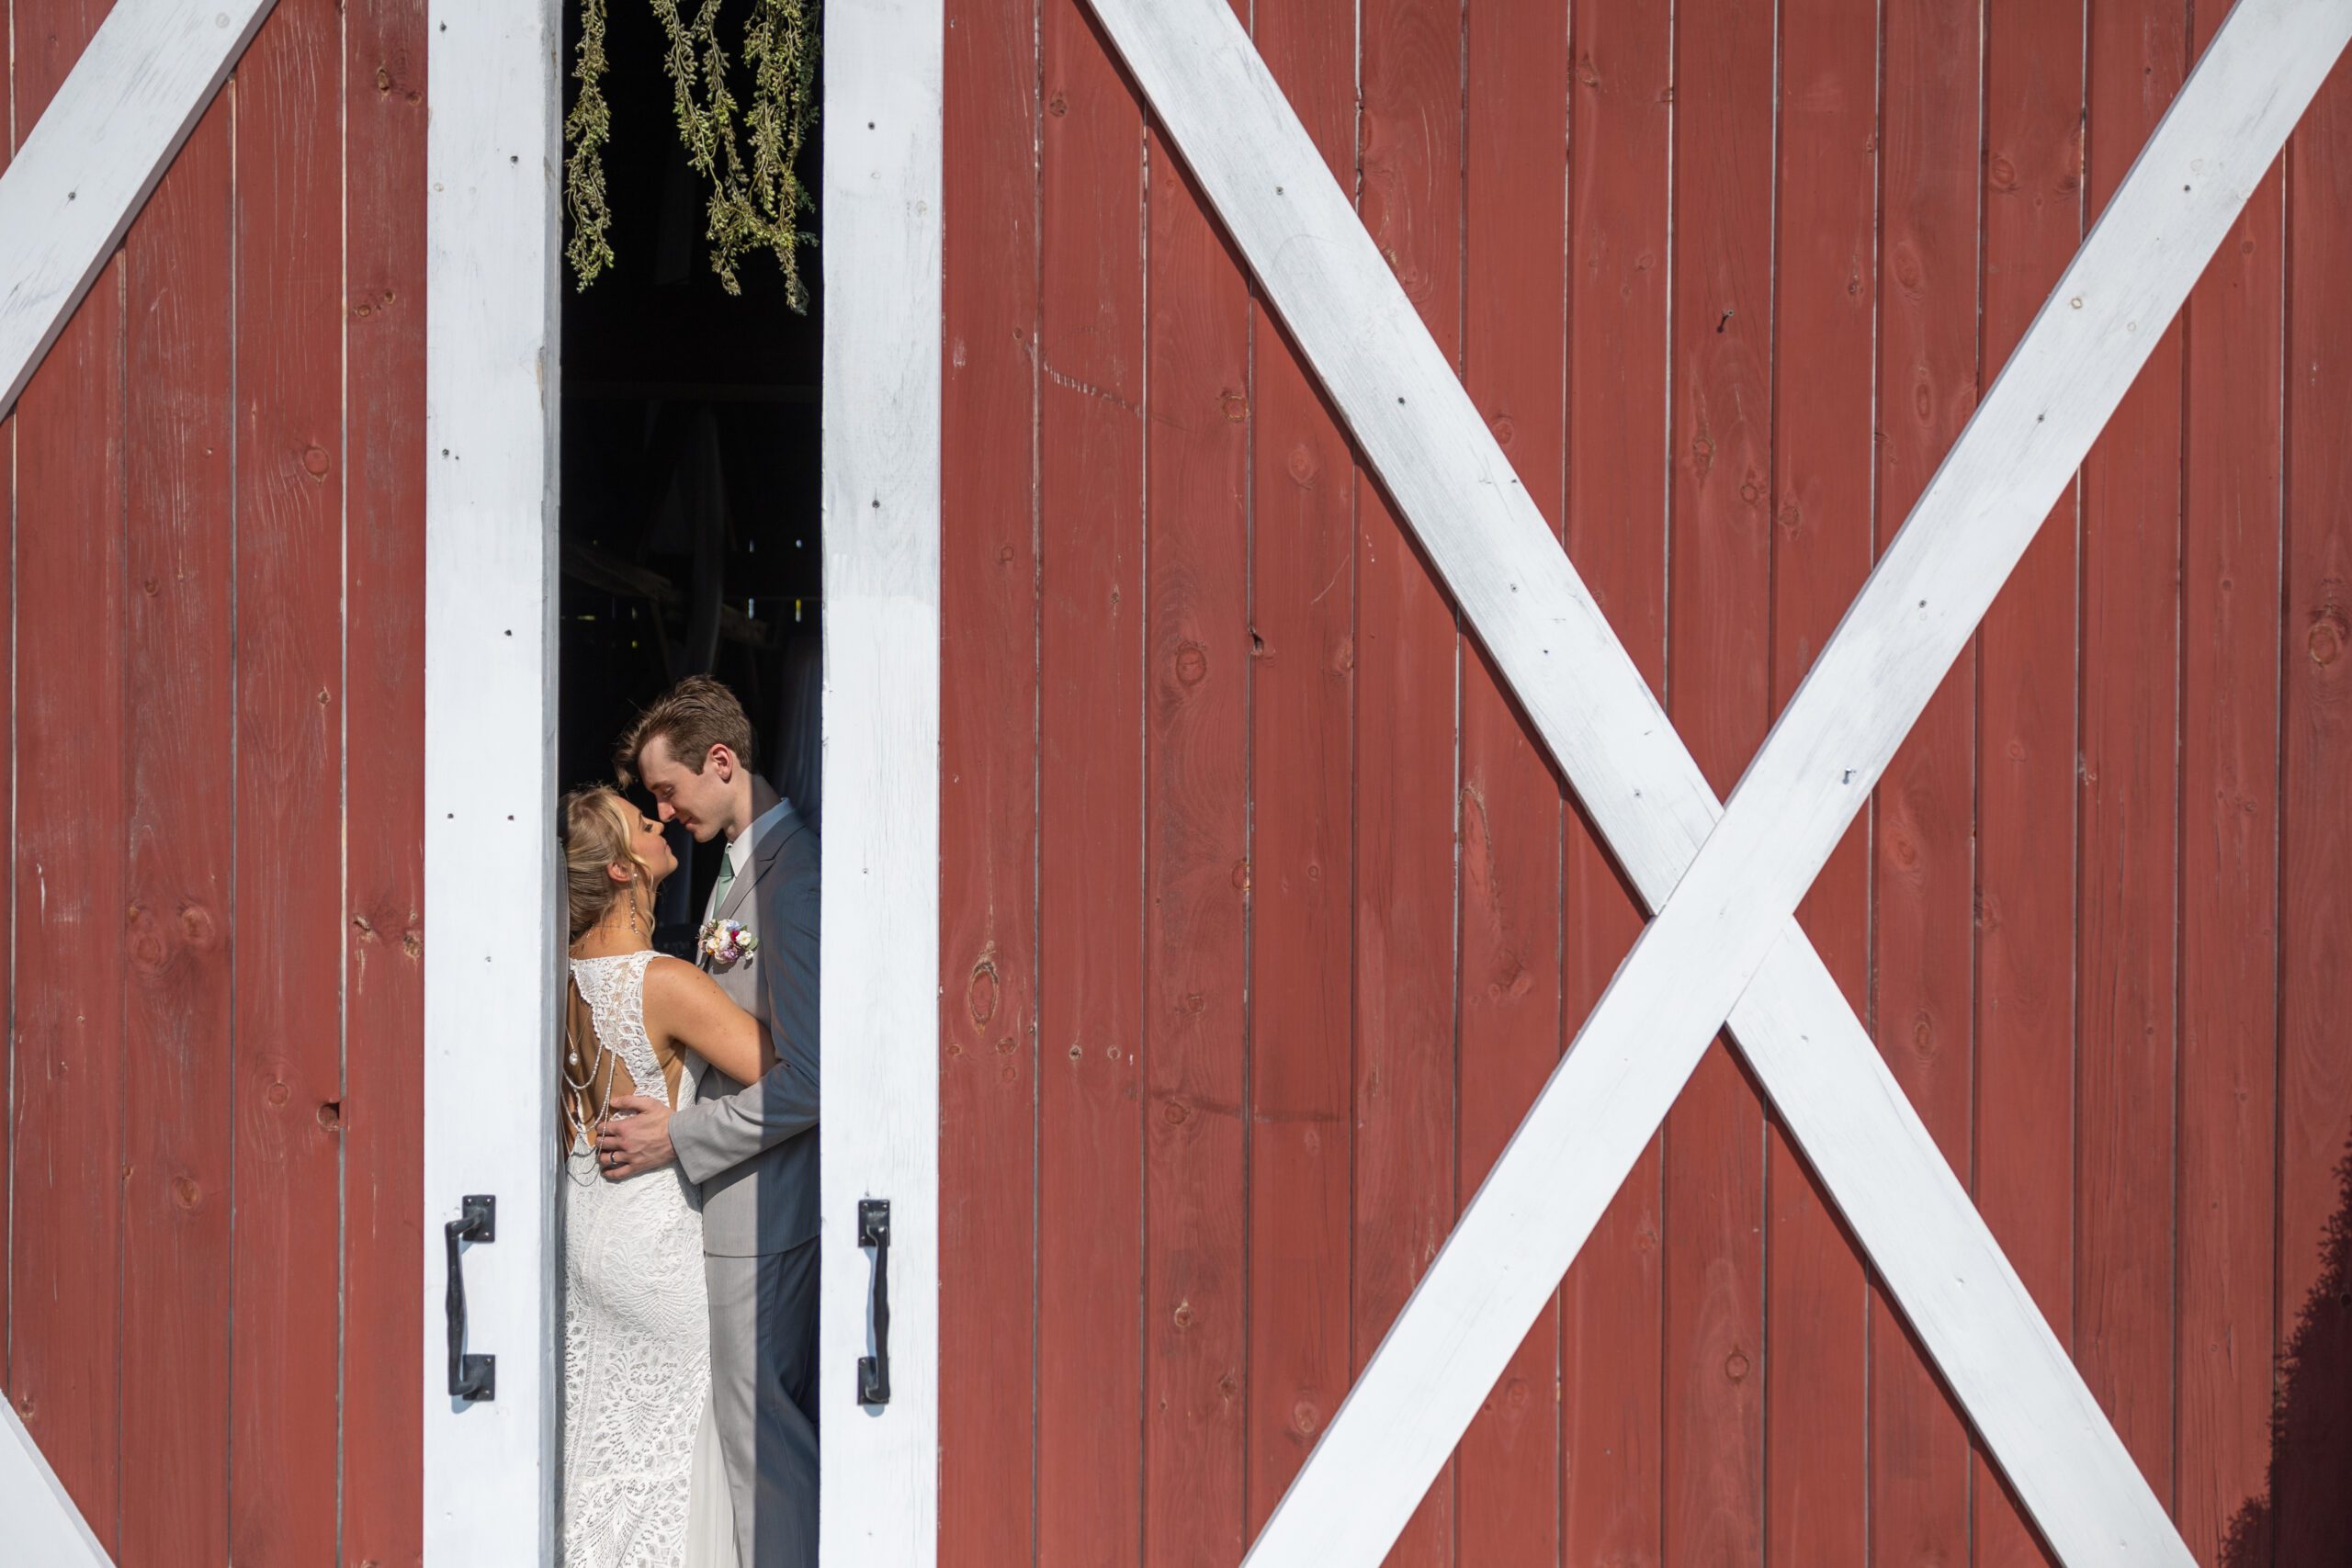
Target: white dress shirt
[{"x": 739, "y": 852}]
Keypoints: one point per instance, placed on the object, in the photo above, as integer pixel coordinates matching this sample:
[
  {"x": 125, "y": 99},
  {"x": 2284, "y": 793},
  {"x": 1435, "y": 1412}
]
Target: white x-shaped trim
[
  {"x": 94, "y": 155},
  {"x": 1724, "y": 944}
]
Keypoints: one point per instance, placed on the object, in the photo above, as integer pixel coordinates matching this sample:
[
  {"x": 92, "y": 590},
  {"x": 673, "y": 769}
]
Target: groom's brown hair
[{"x": 693, "y": 716}]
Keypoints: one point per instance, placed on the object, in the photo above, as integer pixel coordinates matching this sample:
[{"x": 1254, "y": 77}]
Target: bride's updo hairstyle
[{"x": 597, "y": 827}]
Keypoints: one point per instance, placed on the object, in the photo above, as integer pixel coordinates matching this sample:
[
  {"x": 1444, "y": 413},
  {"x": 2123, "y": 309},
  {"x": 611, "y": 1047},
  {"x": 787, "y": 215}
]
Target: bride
[{"x": 643, "y": 1482}]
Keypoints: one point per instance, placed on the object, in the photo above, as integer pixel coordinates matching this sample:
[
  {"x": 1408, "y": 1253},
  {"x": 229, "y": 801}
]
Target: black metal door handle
[
  {"x": 471, "y": 1378},
  {"x": 874, "y": 1230}
]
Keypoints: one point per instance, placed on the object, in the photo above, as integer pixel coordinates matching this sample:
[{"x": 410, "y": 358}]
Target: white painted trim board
[
  {"x": 884, "y": 64},
  {"x": 492, "y": 961},
  {"x": 94, "y": 155},
  {"x": 43, "y": 1525}
]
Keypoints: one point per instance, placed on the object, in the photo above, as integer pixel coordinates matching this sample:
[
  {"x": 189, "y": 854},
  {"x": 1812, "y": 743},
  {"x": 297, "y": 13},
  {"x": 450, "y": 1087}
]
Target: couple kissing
[{"x": 689, "y": 1097}]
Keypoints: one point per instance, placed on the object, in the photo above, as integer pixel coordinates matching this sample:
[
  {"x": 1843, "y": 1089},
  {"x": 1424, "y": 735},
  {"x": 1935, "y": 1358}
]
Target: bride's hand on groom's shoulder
[{"x": 635, "y": 1143}]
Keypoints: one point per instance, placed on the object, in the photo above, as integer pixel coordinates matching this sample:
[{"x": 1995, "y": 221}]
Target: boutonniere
[{"x": 723, "y": 941}]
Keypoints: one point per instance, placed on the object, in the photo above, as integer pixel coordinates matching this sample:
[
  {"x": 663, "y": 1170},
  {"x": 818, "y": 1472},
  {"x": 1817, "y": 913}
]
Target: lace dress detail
[{"x": 636, "y": 1320}]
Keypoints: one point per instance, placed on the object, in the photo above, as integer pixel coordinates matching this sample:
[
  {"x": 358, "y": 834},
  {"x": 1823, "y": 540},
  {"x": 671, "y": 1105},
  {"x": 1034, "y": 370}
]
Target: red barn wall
[
  {"x": 1262, "y": 919},
  {"x": 216, "y": 565}
]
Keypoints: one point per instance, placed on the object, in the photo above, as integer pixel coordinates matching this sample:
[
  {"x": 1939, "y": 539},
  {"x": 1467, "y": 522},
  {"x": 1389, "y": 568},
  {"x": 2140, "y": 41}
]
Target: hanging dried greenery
[{"x": 757, "y": 203}]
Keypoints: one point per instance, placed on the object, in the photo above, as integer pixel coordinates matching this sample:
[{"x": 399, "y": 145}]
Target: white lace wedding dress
[{"x": 643, "y": 1482}]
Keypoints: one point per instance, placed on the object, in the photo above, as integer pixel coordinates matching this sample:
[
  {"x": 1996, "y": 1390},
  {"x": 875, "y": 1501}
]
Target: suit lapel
[{"x": 765, "y": 848}]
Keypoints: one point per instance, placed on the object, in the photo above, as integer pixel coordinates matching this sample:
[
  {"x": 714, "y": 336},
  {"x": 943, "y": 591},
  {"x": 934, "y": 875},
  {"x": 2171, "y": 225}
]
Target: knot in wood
[
  {"x": 980, "y": 995},
  {"x": 2326, "y": 640}
]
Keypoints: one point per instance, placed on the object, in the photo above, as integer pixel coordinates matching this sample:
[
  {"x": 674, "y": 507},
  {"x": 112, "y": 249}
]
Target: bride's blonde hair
[{"x": 598, "y": 831}]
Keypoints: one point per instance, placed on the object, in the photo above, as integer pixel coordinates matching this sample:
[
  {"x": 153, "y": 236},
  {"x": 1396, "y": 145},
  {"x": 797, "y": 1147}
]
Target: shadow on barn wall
[{"x": 2304, "y": 1519}]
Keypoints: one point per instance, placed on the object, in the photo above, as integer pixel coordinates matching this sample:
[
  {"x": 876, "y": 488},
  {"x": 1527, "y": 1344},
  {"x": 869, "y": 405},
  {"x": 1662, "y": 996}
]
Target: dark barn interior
[{"x": 690, "y": 466}]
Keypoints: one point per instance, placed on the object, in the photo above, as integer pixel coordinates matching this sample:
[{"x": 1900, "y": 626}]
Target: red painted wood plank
[
  {"x": 1514, "y": 333},
  {"x": 2311, "y": 1516},
  {"x": 1816, "y": 1424},
  {"x": 1091, "y": 800},
  {"x": 1406, "y": 743},
  {"x": 2229, "y": 876},
  {"x": 1302, "y": 707},
  {"x": 2125, "y": 926},
  {"x": 1718, "y": 695},
  {"x": 989, "y": 705},
  {"x": 1924, "y": 832},
  {"x": 1611, "y": 1306},
  {"x": 1196, "y": 735},
  {"x": 2027, "y": 685},
  {"x": 383, "y": 1098},
  {"x": 7, "y": 785},
  {"x": 68, "y": 1150},
  {"x": 289, "y": 853},
  {"x": 180, "y": 422}
]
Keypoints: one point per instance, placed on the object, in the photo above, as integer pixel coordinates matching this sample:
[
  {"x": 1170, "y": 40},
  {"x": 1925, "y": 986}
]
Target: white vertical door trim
[
  {"x": 493, "y": 943},
  {"x": 94, "y": 155},
  {"x": 1301, "y": 236},
  {"x": 884, "y": 61},
  {"x": 44, "y": 1526}
]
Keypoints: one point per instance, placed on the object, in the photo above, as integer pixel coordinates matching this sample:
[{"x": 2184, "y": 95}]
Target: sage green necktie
[{"x": 726, "y": 876}]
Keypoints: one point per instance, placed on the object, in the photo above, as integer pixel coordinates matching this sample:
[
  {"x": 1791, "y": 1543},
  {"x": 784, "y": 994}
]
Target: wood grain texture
[
  {"x": 68, "y": 1147},
  {"x": 2234, "y": 341},
  {"x": 1923, "y": 906},
  {"x": 2031, "y": 713},
  {"x": 884, "y": 360},
  {"x": 287, "y": 1073},
  {"x": 8, "y": 667},
  {"x": 2027, "y": 684},
  {"x": 1510, "y": 808},
  {"x": 2127, "y": 1013},
  {"x": 178, "y": 652},
  {"x": 1816, "y": 1428},
  {"x": 1407, "y": 731},
  {"x": 1091, "y": 441},
  {"x": 1302, "y": 856},
  {"x": 383, "y": 971},
  {"x": 1196, "y": 728},
  {"x": 2306, "y": 1496},
  {"x": 204, "y": 1153},
  {"x": 105, "y": 135},
  {"x": 1612, "y": 1305},
  {"x": 989, "y": 829},
  {"x": 44, "y": 1524},
  {"x": 2091, "y": 360},
  {"x": 1718, "y": 695},
  {"x": 490, "y": 644}
]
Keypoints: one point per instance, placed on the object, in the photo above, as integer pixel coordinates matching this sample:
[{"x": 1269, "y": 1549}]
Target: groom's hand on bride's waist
[{"x": 634, "y": 1144}]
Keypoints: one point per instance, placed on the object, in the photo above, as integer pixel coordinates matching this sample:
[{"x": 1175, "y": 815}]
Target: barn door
[
  {"x": 492, "y": 958},
  {"x": 1722, "y": 879}
]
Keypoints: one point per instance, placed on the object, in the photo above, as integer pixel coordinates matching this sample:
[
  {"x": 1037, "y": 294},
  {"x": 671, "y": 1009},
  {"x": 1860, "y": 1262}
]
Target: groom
[{"x": 751, "y": 1148}]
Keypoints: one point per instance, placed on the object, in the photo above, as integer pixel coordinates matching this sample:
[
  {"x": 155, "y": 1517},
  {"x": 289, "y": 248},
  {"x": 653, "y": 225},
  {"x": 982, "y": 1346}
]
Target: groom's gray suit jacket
[{"x": 754, "y": 1149}]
